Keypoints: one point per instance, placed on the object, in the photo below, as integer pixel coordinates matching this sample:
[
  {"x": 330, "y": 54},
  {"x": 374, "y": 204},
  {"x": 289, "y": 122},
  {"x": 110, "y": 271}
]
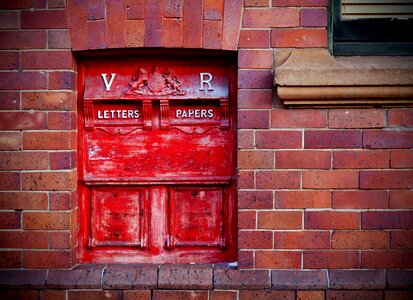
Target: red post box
[{"x": 157, "y": 159}]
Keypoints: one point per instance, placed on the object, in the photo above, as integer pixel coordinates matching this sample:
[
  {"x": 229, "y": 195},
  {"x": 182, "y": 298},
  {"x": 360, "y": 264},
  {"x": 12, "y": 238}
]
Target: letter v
[{"x": 105, "y": 80}]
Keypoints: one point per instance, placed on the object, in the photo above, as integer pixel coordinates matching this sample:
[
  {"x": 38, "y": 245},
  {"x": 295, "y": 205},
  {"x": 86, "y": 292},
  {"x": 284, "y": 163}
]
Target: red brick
[
  {"x": 256, "y": 159},
  {"x": 24, "y": 239},
  {"x": 135, "y": 33},
  {"x": 332, "y": 139},
  {"x": 56, "y": 4},
  {"x": 22, "y": 120},
  {"x": 61, "y": 120},
  {"x": 62, "y": 200},
  {"x": 310, "y": 295},
  {"x": 47, "y": 259},
  {"x": 270, "y": 17},
  {"x": 232, "y": 279},
  {"x": 246, "y": 259},
  {"x": 23, "y": 161},
  {"x": 255, "y": 98},
  {"x": 192, "y": 24},
  {"x": 387, "y": 139},
  {"x": 400, "y": 117},
  {"x": 172, "y": 34},
  {"x": 386, "y": 179},
  {"x": 222, "y": 295},
  {"x": 401, "y": 239},
  {"x": 9, "y": 100},
  {"x": 59, "y": 59},
  {"x": 278, "y": 179},
  {"x": 59, "y": 240},
  {"x": 255, "y": 199},
  {"x": 337, "y": 179},
  {"x": 77, "y": 11},
  {"x": 9, "y": 180},
  {"x": 254, "y": 79},
  {"x": 11, "y": 259},
  {"x": 255, "y": 239},
  {"x": 387, "y": 219},
  {"x": 280, "y": 220},
  {"x": 47, "y": 140},
  {"x": 331, "y": 220},
  {"x": 10, "y": 140},
  {"x": 115, "y": 22},
  {"x": 231, "y": 24},
  {"x": 399, "y": 279},
  {"x": 23, "y": 4},
  {"x": 343, "y": 295},
  {"x": 260, "y": 3},
  {"x": 299, "y": 38},
  {"x": 96, "y": 34},
  {"x": 331, "y": 259},
  {"x": 94, "y": 295},
  {"x": 302, "y": 240},
  {"x": 298, "y": 118},
  {"x": 266, "y": 295},
  {"x": 95, "y": 10},
  {"x": 387, "y": 259},
  {"x": 22, "y": 39},
  {"x": 23, "y": 200},
  {"x": 62, "y": 80},
  {"x": 179, "y": 295},
  {"x": 357, "y": 118},
  {"x": 253, "y": 119},
  {"x": 255, "y": 59},
  {"x": 62, "y": 160},
  {"x": 313, "y": 17},
  {"x": 361, "y": 159},
  {"x": 212, "y": 34},
  {"x": 401, "y": 199},
  {"x": 254, "y": 39},
  {"x": 58, "y": 39},
  {"x": 302, "y": 199},
  {"x": 52, "y": 294},
  {"x": 302, "y": 159},
  {"x": 401, "y": 158},
  {"x": 398, "y": 295},
  {"x": 246, "y": 139},
  {"x": 173, "y": 9},
  {"x": 279, "y": 139},
  {"x": 298, "y": 279},
  {"x": 299, "y": 2},
  {"x": 357, "y": 279},
  {"x": 48, "y": 181},
  {"x": 9, "y": 60},
  {"x": 136, "y": 295},
  {"x": 46, "y": 220},
  {"x": 278, "y": 260},
  {"x": 359, "y": 199},
  {"x": 23, "y": 80},
  {"x": 359, "y": 240},
  {"x": 213, "y": 9},
  {"x": 246, "y": 179},
  {"x": 10, "y": 220},
  {"x": 44, "y": 19},
  {"x": 247, "y": 220}
]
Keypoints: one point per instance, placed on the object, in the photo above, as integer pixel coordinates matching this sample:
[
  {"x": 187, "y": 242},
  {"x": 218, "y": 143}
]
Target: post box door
[{"x": 157, "y": 159}]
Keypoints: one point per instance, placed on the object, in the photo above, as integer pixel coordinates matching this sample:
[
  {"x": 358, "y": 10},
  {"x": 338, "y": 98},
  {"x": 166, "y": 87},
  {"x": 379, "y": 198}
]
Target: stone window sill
[{"x": 312, "y": 77}]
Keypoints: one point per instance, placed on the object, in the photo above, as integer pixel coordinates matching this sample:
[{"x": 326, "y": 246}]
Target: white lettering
[
  {"x": 178, "y": 113},
  {"x": 205, "y": 80},
  {"x": 100, "y": 114},
  {"x": 105, "y": 80},
  {"x": 118, "y": 114},
  {"x": 137, "y": 114},
  {"x": 194, "y": 113},
  {"x": 210, "y": 113}
]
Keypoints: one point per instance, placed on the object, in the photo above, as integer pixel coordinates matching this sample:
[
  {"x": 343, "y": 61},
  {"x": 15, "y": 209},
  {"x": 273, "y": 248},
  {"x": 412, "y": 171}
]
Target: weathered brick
[
  {"x": 279, "y": 139},
  {"x": 332, "y": 139},
  {"x": 377, "y": 139},
  {"x": 246, "y": 180},
  {"x": 23, "y": 200},
  {"x": 357, "y": 279},
  {"x": 33, "y": 39},
  {"x": 96, "y": 34},
  {"x": 246, "y": 219},
  {"x": 255, "y": 239},
  {"x": 245, "y": 139},
  {"x": 179, "y": 295},
  {"x": 130, "y": 277},
  {"x": 255, "y": 98},
  {"x": 46, "y": 140},
  {"x": 135, "y": 33},
  {"x": 325, "y": 259},
  {"x": 246, "y": 259},
  {"x": 211, "y": 34},
  {"x": 58, "y": 39},
  {"x": 401, "y": 158},
  {"x": 172, "y": 34},
  {"x": 303, "y": 159},
  {"x": 387, "y": 219},
  {"x": 255, "y": 59},
  {"x": 192, "y": 25},
  {"x": 22, "y": 120},
  {"x": 386, "y": 179},
  {"x": 254, "y": 38},
  {"x": 270, "y": 17},
  {"x": 298, "y": 118},
  {"x": 61, "y": 120},
  {"x": 57, "y": 59},
  {"x": 62, "y": 80},
  {"x": 115, "y": 23},
  {"x": 331, "y": 220},
  {"x": 398, "y": 295},
  {"x": 400, "y": 117},
  {"x": 185, "y": 277},
  {"x": 62, "y": 160},
  {"x": 359, "y": 240},
  {"x": 44, "y": 19},
  {"x": 80, "y": 278},
  {"x": 359, "y": 199},
  {"x": 342, "y": 295},
  {"x": 337, "y": 179},
  {"x": 241, "y": 279},
  {"x": 278, "y": 179},
  {"x": 401, "y": 199},
  {"x": 56, "y": 4},
  {"x": 401, "y": 239},
  {"x": 357, "y": 118},
  {"x": 47, "y": 259},
  {"x": 222, "y": 295},
  {"x": 9, "y": 20},
  {"x": 94, "y": 295},
  {"x": 302, "y": 240},
  {"x": 278, "y": 259},
  {"x": 298, "y": 280},
  {"x": 255, "y": 199},
  {"x": 231, "y": 24},
  {"x": 23, "y": 80},
  {"x": 23, "y": 279},
  {"x": 361, "y": 159},
  {"x": 9, "y": 180},
  {"x": 78, "y": 24},
  {"x": 255, "y": 159},
  {"x": 310, "y": 17},
  {"x": 259, "y": 3},
  {"x": 136, "y": 295},
  {"x": 96, "y": 10},
  {"x": 10, "y": 140},
  {"x": 10, "y": 220},
  {"x": 387, "y": 259},
  {"x": 9, "y": 60},
  {"x": 254, "y": 79},
  {"x": 253, "y": 119},
  {"x": 10, "y": 259},
  {"x": 266, "y": 295},
  {"x": 24, "y": 239},
  {"x": 46, "y": 220},
  {"x": 48, "y": 181},
  {"x": 280, "y": 219},
  {"x": 399, "y": 279},
  {"x": 24, "y": 161},
  {"x": 59, "y": 240},
  {"x": 52, "y": 295},
  {"x": 302, "y": 199},
  {"x": 310, "y": 295},
  {"x": 9, "y": 100},
  {"x": 213, "y": 9},
  {"x": 299, "y": 2},
  {"x": 298, "y": 38}
]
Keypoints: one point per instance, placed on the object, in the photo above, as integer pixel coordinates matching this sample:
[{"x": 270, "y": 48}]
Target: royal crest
[{"x": 155, "y": 84}]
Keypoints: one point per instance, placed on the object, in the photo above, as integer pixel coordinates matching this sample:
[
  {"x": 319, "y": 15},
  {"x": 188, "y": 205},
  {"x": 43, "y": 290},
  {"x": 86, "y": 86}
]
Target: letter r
[{"x": 205, "y": 80}]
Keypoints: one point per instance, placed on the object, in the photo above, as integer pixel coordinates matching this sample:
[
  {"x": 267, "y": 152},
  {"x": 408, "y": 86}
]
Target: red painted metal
[{"x": 157, "y": 160}]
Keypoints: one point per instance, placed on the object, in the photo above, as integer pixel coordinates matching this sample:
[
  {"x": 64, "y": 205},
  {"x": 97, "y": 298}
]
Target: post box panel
[{"x": 196, "y": 217}]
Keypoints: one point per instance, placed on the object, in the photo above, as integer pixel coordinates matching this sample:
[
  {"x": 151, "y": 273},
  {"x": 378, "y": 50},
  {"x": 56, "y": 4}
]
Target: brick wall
[{"x": 319, "y": 189}]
